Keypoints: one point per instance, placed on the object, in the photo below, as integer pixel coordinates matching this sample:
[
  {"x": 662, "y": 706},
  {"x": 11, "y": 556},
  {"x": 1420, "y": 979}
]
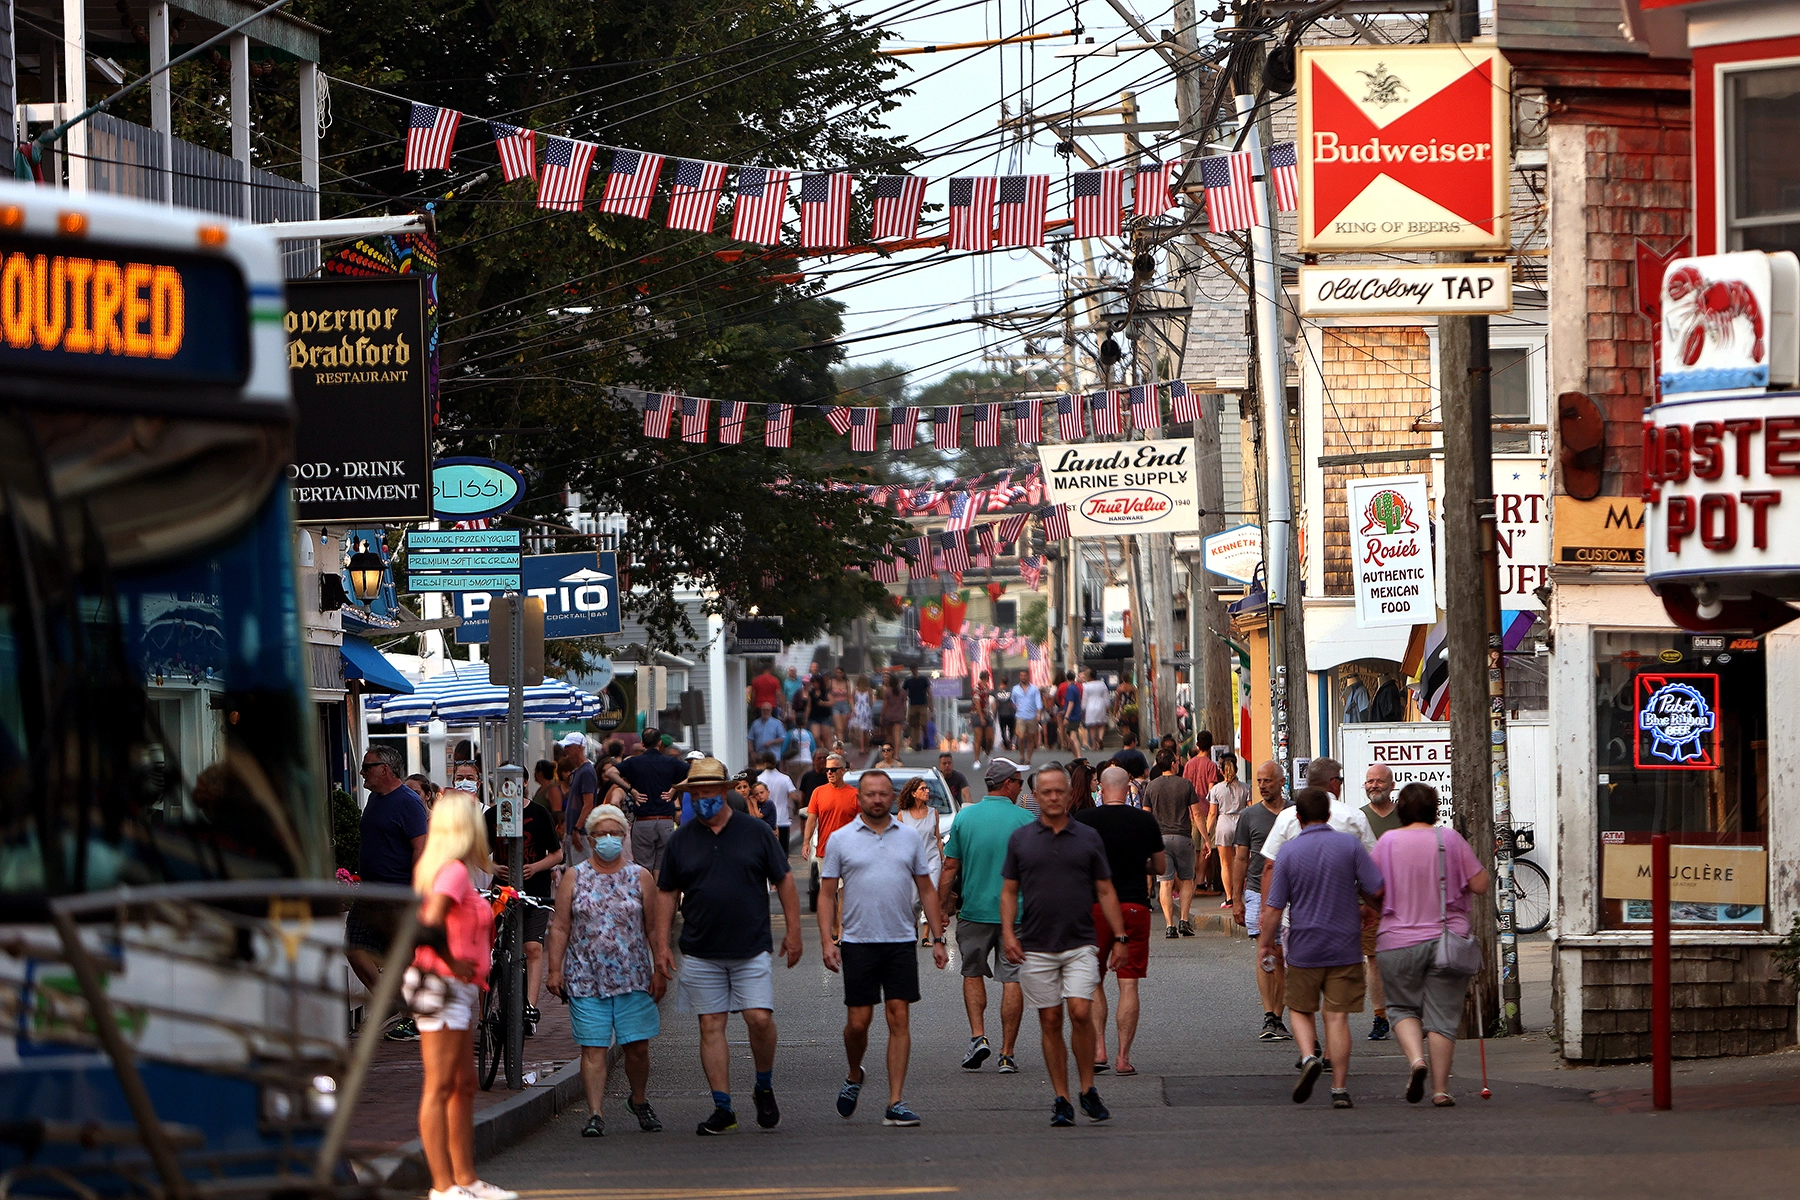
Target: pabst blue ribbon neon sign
[{"x": 1677, "y": 718}]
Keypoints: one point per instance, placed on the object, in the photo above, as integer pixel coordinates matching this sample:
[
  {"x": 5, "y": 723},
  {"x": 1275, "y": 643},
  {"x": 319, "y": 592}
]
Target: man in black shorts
[
  {"x": 543, "y": 851},
  {"x": 884, "y": 869}
]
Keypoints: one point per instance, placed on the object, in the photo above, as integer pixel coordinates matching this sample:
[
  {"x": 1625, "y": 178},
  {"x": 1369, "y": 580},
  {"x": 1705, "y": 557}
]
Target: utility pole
[
  {"x": 515, "y": 661},
  {"x": 1144, "y": 605}
]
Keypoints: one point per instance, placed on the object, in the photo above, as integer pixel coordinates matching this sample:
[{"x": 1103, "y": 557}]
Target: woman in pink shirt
[
  {"x": 444, "y": 985},
  {"x": 1424, "y": 1000}
]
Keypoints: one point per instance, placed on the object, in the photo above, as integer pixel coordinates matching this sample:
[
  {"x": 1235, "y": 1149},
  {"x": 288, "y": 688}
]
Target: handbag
[
  {"x": 1456, "y": 954},
  {"x": 425, "y": 992}
]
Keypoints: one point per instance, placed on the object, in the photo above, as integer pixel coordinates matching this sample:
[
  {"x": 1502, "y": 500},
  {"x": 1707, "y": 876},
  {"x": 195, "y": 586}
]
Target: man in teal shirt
[{"x": 972, "y": 859}]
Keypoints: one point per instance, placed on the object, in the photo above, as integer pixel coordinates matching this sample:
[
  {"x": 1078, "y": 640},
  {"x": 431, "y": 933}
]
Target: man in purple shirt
[{"x": 1322, "y": 872}]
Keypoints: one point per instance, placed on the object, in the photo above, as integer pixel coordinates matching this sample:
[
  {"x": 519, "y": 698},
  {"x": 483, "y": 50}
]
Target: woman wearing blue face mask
[{"x": 600, "y": 962}]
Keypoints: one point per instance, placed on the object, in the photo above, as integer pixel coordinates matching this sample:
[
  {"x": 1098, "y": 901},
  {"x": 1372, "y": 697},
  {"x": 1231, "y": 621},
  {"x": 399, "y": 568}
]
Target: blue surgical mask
[
  {"x": 707, "y": 807},
  {"x": 608, "y": 846}
]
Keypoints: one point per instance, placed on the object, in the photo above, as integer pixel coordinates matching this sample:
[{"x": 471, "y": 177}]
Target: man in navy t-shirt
[
  {"x": 652, "y": 773},
  {"x": 392, "y": 838}
]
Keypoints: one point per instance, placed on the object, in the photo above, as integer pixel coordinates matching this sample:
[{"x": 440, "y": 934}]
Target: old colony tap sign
[
  {"x": 1403, "y": 148},
  {"x": 1390, "y": 540},
  {"x": 1124, "y": 487}
]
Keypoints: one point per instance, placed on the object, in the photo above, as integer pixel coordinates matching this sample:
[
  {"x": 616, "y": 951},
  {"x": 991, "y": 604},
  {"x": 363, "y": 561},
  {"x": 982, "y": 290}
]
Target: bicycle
[
  {"x": 491, "y": 1047},
  {"x": 1531, "y": 886}
]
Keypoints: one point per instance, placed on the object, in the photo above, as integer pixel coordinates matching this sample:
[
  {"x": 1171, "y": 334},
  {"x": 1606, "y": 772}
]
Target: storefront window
[
  {"x": 1681, "y": 732},
  {"x": 1763, "y": 115}
]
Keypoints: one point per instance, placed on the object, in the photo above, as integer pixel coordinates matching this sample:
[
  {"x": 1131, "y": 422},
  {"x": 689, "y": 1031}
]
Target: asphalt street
[{"x": 1209, "y": 1115}]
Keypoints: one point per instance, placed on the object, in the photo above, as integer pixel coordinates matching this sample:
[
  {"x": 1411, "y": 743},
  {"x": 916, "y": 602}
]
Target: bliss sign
[{"x": 1677, "y": 720}]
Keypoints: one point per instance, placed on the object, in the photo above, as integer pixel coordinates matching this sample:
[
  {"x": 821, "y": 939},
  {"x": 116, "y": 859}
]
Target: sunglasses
[
  {"x": 367, "y": 767},
  {"x": 829, "y": 770}
]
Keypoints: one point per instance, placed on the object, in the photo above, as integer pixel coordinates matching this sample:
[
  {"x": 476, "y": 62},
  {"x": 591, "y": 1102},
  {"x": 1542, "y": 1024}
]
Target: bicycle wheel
[
  {"x": 1531, "y": 897},
  {"x": 488, "y": 1043}
]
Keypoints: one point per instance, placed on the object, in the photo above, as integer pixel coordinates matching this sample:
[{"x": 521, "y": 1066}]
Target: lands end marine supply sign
[
  {"x": 1403, "y": 148},
  {"x": 356, "y": 359},
  {"x": 1390, "y": 544},
  {"x": 1124, "y": 487}
]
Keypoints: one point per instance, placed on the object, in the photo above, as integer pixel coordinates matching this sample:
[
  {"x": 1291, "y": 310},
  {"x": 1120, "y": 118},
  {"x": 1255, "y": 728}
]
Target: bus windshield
[{"x": 152, "y": 716}]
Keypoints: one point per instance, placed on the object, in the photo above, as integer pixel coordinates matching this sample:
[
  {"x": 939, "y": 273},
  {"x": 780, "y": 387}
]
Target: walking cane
[{"x": 1481, "y": 1035}]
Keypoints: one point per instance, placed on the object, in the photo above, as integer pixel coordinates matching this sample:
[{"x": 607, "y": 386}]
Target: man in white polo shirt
[{"x": 884, "y": 868}]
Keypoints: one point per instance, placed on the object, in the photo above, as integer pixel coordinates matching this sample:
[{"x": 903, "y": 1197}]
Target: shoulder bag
[{"x": 1456, "y": 954}]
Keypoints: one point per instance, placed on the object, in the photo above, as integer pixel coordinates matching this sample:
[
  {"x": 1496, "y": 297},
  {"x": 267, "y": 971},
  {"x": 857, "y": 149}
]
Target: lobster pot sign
[
  {"x": 1730, "y": 322},
  {"x": 1390, "y": 536}
]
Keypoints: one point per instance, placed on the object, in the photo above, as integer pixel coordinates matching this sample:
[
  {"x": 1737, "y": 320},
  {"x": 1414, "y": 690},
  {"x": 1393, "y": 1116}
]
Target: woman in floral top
[{"x": 600, "y": 962}]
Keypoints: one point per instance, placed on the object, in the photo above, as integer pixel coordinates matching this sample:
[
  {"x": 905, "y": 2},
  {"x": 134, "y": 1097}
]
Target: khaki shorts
[
  {"x": 1342, "y": 988},
  {"x": 1049, "y": 977}
]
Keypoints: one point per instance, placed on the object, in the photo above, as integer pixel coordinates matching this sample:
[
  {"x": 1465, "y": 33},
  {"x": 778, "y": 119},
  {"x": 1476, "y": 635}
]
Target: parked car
[{"x": 941, "y": 799}]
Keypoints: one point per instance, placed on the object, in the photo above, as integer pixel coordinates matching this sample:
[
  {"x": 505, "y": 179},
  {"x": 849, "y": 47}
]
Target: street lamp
[{"x": 366, "y": 570}]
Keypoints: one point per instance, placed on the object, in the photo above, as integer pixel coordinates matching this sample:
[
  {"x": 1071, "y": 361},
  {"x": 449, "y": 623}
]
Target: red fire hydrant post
[{"x": 1662, "y": 1046}]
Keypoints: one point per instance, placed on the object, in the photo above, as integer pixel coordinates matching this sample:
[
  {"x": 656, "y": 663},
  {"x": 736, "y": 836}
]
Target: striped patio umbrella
[{"x": 468, "y": 696}]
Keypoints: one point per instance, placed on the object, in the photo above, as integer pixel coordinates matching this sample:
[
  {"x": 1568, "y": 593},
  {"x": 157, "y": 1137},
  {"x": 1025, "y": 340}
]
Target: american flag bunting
[
  {"x": 1184, "y": 405},
  {"x": 778, "y": 426},
  {"x": 1230, "y": 200},
  {"x": 1106, "y": 410},
  {"x": 1144, "y": 408},
  {"x": 898, "y": 199},
  {"x": 631, "y": 183},
  {"x": 987, "y": 425},
  {"x": 1096, "y": 201},
  {"x": 430, "y": 133},
  {"x": 963, "y": 507},
  {"x": 917, "y": 554},
  {"x": 838, "y": 417},
  {"x": 1031, "y": 569},
  {"x": 955, "y": 662},
  {"x": 731, "y": 422},
  {"x": 696, "y": 416},
  {"x": 1151, "y": 194},
  {"x": 1055, "y": 520},
  {"x": 1284, "y": 172},
  {"x": 659, "y": 410},
  {"x": 884, "y": 569},
  {"x": 955, "y": 545},
  {"x": 1028, "y": 421},
  {"x": 1068, "y": 416},
  {"x": 1038, "y": 660},
  {"x": 1012, "y": 527},
  {"x": 563, "y": 181},
  {"x": 824, "y": 210},
  {"x": 863, "y": 424},
  {"x": 762, "y": 195},
  {"x": 972, "y": 212},
  {"x": 694, "y": 194},
  {"x": 517, "y": 149},
  {"x": 1023, "y": 203},
  {"x": 946, "y": 427},
  {"x": 903, "y": 433},
  {"x": 984, "y": 538}
]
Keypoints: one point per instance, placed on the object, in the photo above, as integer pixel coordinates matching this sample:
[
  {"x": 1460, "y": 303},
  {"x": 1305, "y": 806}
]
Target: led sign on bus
[{"x": 144, "y": 315}]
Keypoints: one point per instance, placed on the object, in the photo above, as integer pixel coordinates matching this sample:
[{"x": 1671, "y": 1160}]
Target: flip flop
[
  {"x": 1126, "y": 1071},
  {"x": 1442, "y": 1100},
  {"x": 1102, "y": 1068}
]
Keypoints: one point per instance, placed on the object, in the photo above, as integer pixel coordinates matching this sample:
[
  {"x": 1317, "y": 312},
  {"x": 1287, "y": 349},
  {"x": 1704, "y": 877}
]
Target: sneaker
[
  {"x": 1187, "y": 929},
  {"x": 1091, "y": 1105},
  {"x": 1271, "y": 1028},
  {"x": 482, "y": 1190},
  {"x": 1008, "y": 1065},
  {"x": 646, "y": 1116},
  {"x": 1378, "y": 1032},
  {"x": 1225, "y": 904},
  {"x": 1340, "y": 1098},
  {"x": 768, "y": 1113},
  {"x": 1310, "y": 1068},
  {"x": 1280, "y": 1031},
  {"x": 723, "y": 1120},
  {"x": 450, "y": 1193},
  {"x": 1171, "y": 933},
  {"x": 595, "y": 1127},
  {"x": 402, "y": 1030},
  {"x": 847, "y": 1097},
  {"x": 899, "y": 1114},
  {"x": 978, "y": 1054},
  {"x": 1062, "y": 1114}
]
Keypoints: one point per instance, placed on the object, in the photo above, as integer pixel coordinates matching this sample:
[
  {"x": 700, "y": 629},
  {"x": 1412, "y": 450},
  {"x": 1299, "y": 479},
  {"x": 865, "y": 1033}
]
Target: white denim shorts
[{"x": 459, "y": 1011}]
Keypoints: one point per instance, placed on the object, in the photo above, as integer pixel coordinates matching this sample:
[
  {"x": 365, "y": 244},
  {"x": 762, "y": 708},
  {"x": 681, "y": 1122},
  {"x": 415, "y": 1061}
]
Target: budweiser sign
[{"x": 1403, "y": 148}]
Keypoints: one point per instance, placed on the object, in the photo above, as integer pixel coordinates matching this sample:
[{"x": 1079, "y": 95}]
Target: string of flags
[{"x": 985, "y": 212}]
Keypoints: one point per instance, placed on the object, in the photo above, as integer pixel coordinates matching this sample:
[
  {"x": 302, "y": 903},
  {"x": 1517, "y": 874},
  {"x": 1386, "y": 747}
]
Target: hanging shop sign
[
  {"x": 1115, "y": 615},
  {"x": 356, "y": 362},
  {"x": 1404, "y": 148},
  {"x": 1124, "y": 487},
  {"x": 1716, "y": 491},
  {"x": 1522, "y": 528},
  {"x": 580, "y": 594},
  {"x": 1730, "y": 321},
  {"x": 1415, "y": 751},
  {"x": 1677, "y": 722},
  {"x": 458, "y": 560},
  {"x": 1390, "y": 539},
  {"x": 1406, "y": 290},
  {"x": 1607, "y": 531},
  {"x": 469, "y": 489},
  {"x": 755, "y": 635},
  {"x": 1235, "y": 554},
  {"x": 613, "y": 703}
]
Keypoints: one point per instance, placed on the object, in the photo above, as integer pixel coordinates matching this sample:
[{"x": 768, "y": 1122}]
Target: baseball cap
[
  {"x": 999, "y": 770},
  {"x": 573, "y": 739}
]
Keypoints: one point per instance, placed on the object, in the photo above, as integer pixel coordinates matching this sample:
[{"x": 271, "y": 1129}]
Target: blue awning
[{"x": 363, "y": 661}]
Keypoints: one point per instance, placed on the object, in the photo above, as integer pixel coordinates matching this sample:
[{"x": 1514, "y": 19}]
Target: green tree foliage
[{"x": 1034, "y": 621}]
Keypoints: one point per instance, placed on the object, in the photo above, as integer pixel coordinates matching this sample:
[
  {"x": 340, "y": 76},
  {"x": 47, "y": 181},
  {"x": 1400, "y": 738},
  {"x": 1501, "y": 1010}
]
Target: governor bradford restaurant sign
[
  {"x": 1403, "y": 148},
  {"x": 1124, "y": 487}
]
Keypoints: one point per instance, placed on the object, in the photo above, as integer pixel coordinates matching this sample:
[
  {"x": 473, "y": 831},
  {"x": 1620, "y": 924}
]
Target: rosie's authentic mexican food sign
[
  {"x": 1124, "y": 487},
  {"x": 1403, "y": 148},
  {"x": 1390, "y": 545},
  {"x": 356, "y": 360}
]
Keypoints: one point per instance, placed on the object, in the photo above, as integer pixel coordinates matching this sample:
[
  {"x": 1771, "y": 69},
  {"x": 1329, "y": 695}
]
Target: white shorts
[
  {"x": 459, "y": 1011},
  {"x": 716, "y": 985},
  {"x": 1048, "y": 978}
]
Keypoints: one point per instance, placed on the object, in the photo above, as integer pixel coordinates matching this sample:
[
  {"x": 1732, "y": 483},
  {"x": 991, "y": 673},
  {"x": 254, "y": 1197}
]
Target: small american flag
[
  {"x": 563, "y": 181},
  {"x": 987, "y": 425},
  {"x": 1031, "y": 568},
  {"x": 1144, "y": 414},
  {"x": 1038, "y": 657},
  {"x": 1230, "y": 200},
  {"x": 946, "y": 427},
  {"x": 659, "y": 410},
  {"x": 824, "y": 211},
  {"x": 1284, "y": 169},
  {"x": 984, "y": 538},
  {"x": 955, "y": 663},
  {"x": 731, "y": 422},
  {"x": 778, "y": 426},
  {"x": 429, "y": 134},
  {"x": 1107, "y": 412},
  {"x": 863, "y": 424},
  {"x": 1096, "y": 200},
  {"x": 694, "y": 194},
  {"x": 1068, "y": 416},
  {"x": 904, "y": 431},
  {"x": 916, "y": 553},
  {"x": 884, "y": 569},
  {"x": 518, "y": 151},
  {"x": 972, "y": 212},
  {"x": 963, "y": 507},
  {"x": 1028, "y": 421},
  {"x": 955, "y": 545},
  {"x": 762, "y": 195},
  {"x": 1012, "y": 527},
  {"x": 1151, "y": 196},
  {"x": 898, "y": 199},
  {"x": 1184, "y": 405},
  {"x": 1024, "y": 201},
  {"x": 696, "y": 414},
  {"x": 1055, "y": 520},
  {"x": 838, "y": 416},
  {"x": 631, "y": 183}
]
